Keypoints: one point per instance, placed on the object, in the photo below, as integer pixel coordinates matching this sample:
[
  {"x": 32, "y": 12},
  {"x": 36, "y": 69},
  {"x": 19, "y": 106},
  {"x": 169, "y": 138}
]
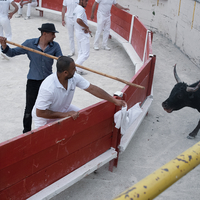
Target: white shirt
[
  {"x": 71, "y": 5},
  {"x": 4, "y": 7},
  {"x": 105, "y": 6},
  {"x": 53, "y": 96},
  {"x": 79, "y": 12}
]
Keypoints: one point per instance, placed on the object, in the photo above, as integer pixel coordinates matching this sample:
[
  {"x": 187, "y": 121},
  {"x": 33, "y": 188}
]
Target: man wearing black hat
[{"x": 39, "y": 67}]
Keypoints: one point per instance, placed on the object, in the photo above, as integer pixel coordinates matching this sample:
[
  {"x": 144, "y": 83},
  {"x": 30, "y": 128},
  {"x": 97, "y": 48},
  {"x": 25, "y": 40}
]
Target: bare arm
[
  {"x": 64, "y": 8},
  {"x": 102, "y": 94},
  {"x": 15, "y": 10},
  {"x": 56, "y": 115},
  {"x": 22, "y": 3},
  {"x": 121, "y": 7},
  {"x": 85, "y": 27},
  {"x": 93, "y": 9}
]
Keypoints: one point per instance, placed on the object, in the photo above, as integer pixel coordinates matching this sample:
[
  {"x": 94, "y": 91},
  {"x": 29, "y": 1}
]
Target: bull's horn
[
  {"x": 176, "y": 75},
  {"x": 193, "y": 89}
]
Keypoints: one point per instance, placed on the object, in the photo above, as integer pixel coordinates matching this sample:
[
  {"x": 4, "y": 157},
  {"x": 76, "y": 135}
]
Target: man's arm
[
  {"x": 93, "y": 9},
  {"x": 15, "y": 10},
  {"x": 64, "y": 8},
  {"x": 56, "y": 115},
  {"x": 102, "y": 94},
  {"x": 85, "y": 27},
  {"x": 121, "y": 7},
  {"x": 25, "y": 2}
]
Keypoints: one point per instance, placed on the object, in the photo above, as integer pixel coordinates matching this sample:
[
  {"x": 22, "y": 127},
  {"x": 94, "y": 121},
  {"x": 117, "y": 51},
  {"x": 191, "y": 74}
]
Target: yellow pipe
[
  {"x": 193, "y": 14},
  {"x": 161, "y": 179},
  {"x": 179, "y": 8},
  {"x": 157, "y": 2}
]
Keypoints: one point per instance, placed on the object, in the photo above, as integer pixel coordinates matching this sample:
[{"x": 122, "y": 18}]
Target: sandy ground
[{"x": 161, "y": 136}]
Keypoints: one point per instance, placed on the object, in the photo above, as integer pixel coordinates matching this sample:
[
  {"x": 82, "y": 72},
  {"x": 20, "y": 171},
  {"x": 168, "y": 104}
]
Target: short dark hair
[{"x": 63, "y": 63}]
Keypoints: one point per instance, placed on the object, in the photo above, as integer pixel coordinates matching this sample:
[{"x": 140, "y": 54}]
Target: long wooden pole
[{"x": 88, "y": 69}]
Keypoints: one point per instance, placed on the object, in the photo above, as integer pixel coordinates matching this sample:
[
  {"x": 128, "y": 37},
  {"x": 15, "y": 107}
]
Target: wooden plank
[{"x": 65, "y": 182}]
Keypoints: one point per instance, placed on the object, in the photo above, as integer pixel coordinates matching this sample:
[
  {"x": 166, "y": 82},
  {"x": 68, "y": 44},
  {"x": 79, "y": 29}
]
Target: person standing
[
  {"x": 5, "y": 17},
  {"x": 68, "y": 20},
  {"x": 40, "y": 66},
  {"x": 82, "y": 34},
  {"x": 103, "y": 20},
  {"x": 57, "y": 91},
  {"x": 29, "y": 3}
]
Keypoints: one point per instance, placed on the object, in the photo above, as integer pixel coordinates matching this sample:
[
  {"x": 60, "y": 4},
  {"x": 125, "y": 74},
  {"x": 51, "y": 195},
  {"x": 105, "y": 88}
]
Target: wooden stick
[{"x": 88, "y": 69}]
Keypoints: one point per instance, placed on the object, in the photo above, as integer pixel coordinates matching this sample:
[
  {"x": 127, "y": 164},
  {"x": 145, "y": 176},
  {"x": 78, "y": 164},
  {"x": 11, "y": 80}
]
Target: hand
[
  {"x": 3, "y": 42},
  {"x": 73, "y": 114},
  {"x": 127, "y": 9},
  {"x": 10, "y": 15},
  {"x": 120, "y": 103},
  {"x": 63, "y": 22}
]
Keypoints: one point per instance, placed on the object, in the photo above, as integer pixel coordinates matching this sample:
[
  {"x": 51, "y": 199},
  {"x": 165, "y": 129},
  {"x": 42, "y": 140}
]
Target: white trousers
[
  {"x": 83, "y": 51},
  {"x": 5, "y": 26},
  {"x": 29, "y": 5},
  {"x": 103, "y": 24},
  {"x": 70, "y": 27}
]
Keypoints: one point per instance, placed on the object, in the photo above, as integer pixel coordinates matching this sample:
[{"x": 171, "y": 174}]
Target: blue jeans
[{"x": 32, "y": 88}]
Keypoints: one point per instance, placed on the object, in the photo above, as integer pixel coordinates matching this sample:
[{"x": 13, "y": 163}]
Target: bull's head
[{"x": 180, "y": 96}]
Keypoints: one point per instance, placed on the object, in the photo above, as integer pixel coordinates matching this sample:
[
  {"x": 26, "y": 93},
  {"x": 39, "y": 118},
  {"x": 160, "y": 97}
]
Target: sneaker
[
  {"x": 27, "y": 18},
  {"x": 96, "y": 48},
  {"x": 72, "y": 54},
  {"x": 107, "y": 48},
  {"x": 18, "y": 16},
  {"x": 4, "y": 57},
  {"x": 81, "y": 72}
]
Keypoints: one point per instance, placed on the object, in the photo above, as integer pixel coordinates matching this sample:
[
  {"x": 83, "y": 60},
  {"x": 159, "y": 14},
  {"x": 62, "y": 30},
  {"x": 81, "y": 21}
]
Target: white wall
[{"x": 176, "y": 24}]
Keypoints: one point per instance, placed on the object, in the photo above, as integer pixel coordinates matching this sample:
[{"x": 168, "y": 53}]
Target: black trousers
[{"x": 32, "y": 88}]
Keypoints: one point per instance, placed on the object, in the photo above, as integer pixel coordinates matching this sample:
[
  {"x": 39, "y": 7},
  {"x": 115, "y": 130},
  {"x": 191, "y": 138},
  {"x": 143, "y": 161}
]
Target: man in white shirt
[
  {"x": 68, "y": 19},
  {"x": 29, "y": 3},
  {"x": 5, "y": 17},
  {"x": 103, "y": 20},
  {"x": 82, "y": 34},
  {"x": 57, "y": 90}
]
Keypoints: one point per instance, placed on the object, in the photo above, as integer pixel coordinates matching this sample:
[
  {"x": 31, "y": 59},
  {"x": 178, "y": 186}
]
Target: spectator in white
[
  {"x": 68, "y": 20},
  {"x": 82, "y": 34},
  {"x": 29, "y": 3},
  {"x": 5, "y": 17},
  {"x": 57, "y": 90},
  {"x": 103, "y": 20}
]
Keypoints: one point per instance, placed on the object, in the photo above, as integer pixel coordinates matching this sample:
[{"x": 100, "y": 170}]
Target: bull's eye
[{"x": 179, "y": 96}]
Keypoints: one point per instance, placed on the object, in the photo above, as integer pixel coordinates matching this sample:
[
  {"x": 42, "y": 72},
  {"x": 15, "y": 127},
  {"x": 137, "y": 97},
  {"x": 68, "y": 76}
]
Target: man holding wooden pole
[{"x": 40, "y": 66}]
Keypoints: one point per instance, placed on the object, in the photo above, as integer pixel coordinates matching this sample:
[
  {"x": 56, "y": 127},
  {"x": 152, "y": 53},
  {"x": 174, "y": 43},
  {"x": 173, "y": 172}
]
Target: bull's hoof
[{"x": 190, "y": 137}]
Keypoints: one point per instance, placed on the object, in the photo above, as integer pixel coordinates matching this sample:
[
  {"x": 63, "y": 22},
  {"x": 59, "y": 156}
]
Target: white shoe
[
  {"x": 96, "y": 48},
  {"x": 4, "y": 56},
  {"x": 27, "y": 18},
  {"x": 18, "y": 16},
  {"x": 107, "y": 48},
  {"x": 81, "y": 72},
  {"x": 72, "y": 54}
]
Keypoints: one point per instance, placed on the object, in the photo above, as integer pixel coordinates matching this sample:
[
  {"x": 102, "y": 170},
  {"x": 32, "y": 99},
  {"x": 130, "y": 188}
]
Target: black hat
[{"x": 48, "y": 27}]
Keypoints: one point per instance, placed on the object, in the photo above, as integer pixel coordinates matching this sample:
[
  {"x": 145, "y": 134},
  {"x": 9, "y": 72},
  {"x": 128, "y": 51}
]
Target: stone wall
[{"x": 178, "y": 20}]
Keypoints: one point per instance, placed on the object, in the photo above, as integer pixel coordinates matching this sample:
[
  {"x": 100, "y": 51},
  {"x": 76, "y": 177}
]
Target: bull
[{"x": 183, "y": 95}]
